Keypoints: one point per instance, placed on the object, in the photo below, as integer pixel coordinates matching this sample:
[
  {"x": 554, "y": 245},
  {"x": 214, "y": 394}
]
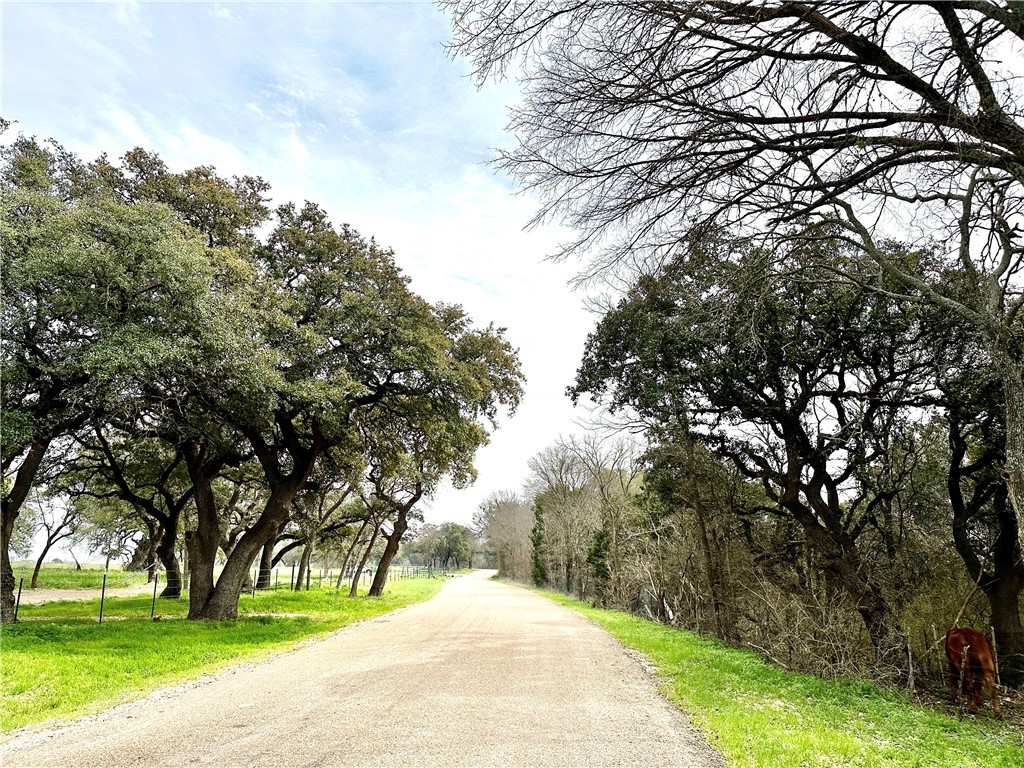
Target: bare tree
[
  {"x": 56, "y": 519},
  {"x": 644, "y": 122},
  {"x": 505, "y": 519}
]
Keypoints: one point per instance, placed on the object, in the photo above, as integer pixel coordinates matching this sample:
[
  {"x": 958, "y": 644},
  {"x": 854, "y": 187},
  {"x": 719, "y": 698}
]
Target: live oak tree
[
  {"x": 348, "y": 338},
  {"x": 99, "y": 297},
  {"x": 147, "y": 309},
  {"x": 643, "y": 122},
  {"x": 436, "y": 438},
  {"x": 800, "y": 388}
]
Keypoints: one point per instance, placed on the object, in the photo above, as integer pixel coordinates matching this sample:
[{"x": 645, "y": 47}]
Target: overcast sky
[{"x": 353, "y": 105}]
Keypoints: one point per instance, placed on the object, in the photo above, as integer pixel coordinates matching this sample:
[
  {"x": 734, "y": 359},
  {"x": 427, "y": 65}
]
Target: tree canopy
[{"x": 142, "y": 304}]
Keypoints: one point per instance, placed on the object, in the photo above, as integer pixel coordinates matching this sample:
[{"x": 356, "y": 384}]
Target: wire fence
[{"x": 286, "y": 578}]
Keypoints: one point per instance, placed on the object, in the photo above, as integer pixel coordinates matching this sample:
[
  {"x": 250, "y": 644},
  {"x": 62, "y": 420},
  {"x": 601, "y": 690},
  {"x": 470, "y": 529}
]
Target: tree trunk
[
  {"x": 1011, "y": 373},
  {"x": 394, "y": 541},
  {"x": 1004, "y": 599},
  {"x": 839, "y": 559},
  {"x": 166, "y": 551},
  {"x": 9, "y": 509},
  {"x": 300, "y": 577},
  {"x": 204, "y": 541},
  {"x": 264, "y": 575},
  {"x": 348, "y": 554},
  {"x": 222, "y": 601},
  {"x": 711, "y": 571},
  {"x": 39, "y": 564},
  {"x": 1003, "y": 593},
  {"x": 354, "y": 589}
]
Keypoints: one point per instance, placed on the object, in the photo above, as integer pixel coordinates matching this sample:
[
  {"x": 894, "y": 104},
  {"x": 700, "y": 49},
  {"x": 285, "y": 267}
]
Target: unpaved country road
[{"x": 484, "y": 674}]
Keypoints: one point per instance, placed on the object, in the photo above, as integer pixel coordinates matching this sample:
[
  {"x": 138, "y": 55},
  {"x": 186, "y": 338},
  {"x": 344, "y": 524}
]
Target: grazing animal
[{"x": 970, "y": 660}]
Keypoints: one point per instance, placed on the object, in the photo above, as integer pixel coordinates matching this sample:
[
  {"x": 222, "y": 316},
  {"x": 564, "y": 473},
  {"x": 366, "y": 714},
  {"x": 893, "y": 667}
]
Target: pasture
[{"x": 66, "y": 576}]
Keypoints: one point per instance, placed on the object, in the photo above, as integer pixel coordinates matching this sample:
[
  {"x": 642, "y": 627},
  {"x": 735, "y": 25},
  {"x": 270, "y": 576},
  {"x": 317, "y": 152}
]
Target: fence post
[
  {"x": 17, "y": 603},
  {"x": 995, "y": 653},
  {"x": 275, "y": 579},
  {"x": 291, "y": 583},
  {"x": 156, "y": 579},
  {"x": 103, "y": 595}
]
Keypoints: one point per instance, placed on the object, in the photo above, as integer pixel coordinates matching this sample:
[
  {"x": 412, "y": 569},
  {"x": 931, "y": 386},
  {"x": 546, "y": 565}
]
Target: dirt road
[
  {"x": 484, "y": 674},
  {"x": 39, "y": 596}
]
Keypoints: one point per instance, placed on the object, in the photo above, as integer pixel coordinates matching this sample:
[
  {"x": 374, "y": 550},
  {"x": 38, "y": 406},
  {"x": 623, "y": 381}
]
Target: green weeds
[{"x": 759, "y": 715}]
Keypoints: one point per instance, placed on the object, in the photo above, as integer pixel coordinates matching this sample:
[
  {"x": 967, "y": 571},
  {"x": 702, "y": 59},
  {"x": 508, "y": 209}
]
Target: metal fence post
[
  {"x": 156, "y": 579},
  {"x": 103, "y": 595},
  {"x": 17, "y": 603}
]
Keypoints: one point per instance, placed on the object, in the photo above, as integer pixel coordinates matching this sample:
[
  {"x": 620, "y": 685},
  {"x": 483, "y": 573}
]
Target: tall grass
[
  {"x": 757, "y": 714},
  {"x": 58, "y": 661}
]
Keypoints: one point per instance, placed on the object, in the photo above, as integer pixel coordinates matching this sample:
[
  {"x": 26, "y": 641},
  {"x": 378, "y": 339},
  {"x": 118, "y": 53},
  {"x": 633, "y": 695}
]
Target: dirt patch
[{"x": 38, "y": 596}]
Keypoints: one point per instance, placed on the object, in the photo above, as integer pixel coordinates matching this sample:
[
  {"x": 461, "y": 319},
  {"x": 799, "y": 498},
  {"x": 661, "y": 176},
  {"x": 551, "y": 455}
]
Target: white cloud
[
  {"x": 220, "y": 11},
  {"x": 353, "y": 106},
  {"x": 129, "y": 14}
]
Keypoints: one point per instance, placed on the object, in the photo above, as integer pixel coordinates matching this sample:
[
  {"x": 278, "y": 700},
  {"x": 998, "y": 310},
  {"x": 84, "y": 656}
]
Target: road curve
[{"x": 484, "y": 674}]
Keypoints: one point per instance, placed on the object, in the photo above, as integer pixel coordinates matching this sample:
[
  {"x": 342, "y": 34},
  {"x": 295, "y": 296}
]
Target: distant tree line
[{"x": 195, "y": 377}]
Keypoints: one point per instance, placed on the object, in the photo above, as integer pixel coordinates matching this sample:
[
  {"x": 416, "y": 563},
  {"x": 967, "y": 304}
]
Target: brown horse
[{"x": 971, "y": 661}]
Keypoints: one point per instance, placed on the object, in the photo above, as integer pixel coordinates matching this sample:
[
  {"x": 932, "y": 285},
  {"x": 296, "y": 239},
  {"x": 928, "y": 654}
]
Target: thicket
[
  {"x": 817, "y": 475},
  {"x": 833, "y": 422}
]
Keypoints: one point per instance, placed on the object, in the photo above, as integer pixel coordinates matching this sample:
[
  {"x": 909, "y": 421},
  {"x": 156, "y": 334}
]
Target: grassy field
[
  {"x": 759, "y": 715},
  {"x": 58, "y": 662},
  {"x": 61, "y": 576}
]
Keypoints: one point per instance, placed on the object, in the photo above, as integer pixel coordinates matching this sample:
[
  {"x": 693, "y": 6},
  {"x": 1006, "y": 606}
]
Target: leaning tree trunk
[
  {"x": 9, "y": 509},
  {"x": 354, "y": 589},
  {"x": 841, "y": 562},
  {"x": 300, "y": 577},
  {"x": 39, "y": 565},
  {"x": 349, "y": 552},
  {"x": 263, "y": 575},
  {"x": 390, "y": 550},
  {"x": 222, "y": 601}
]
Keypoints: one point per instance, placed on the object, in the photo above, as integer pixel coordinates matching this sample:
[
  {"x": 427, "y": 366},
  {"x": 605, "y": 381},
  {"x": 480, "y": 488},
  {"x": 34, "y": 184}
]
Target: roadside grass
[
  {"x": 59, "y": 662},
  {"x": 66, "y": 577},
  {"x": 757, "y": 714}
]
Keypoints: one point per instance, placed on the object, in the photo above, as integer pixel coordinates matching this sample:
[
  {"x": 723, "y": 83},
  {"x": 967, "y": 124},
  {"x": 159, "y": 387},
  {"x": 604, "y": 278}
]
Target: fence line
[{"x": 273, "y": 582}]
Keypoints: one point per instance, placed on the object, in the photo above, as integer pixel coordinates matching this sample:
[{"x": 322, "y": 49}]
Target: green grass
[
  {"x": 759, "y": 715},
  {"x": 66, "y": 577},
  {"x": 58, "y": 662}
]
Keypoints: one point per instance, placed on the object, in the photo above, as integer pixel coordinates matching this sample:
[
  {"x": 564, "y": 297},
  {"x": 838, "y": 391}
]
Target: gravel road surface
[{"x": 484, "y": 674}]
